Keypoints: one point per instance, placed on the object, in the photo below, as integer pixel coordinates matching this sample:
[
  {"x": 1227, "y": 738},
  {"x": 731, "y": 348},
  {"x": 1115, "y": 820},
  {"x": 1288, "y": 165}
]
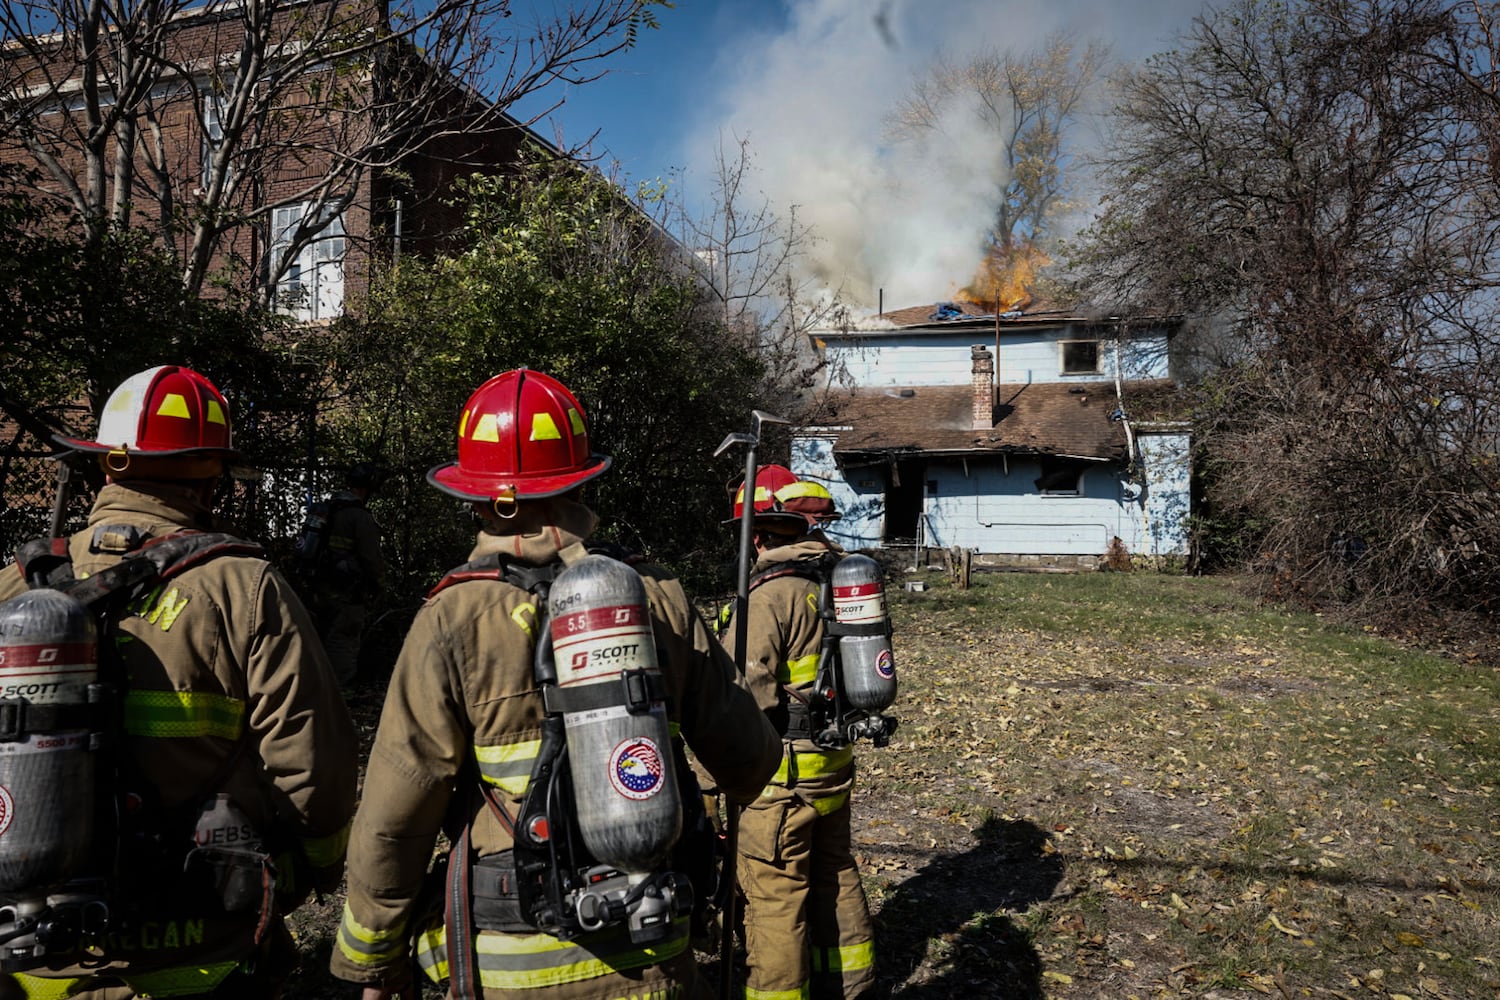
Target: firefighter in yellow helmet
[
  {"x": 232, "y": 786},
  {"x": 467, "y": 742},
  {"x": 807, "y": 925}
]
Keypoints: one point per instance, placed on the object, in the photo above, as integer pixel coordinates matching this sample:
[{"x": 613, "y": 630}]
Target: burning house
[{"x": 1031, "y": 437}]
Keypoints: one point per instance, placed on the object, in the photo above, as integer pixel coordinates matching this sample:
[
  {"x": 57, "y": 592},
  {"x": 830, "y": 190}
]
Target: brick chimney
[{"x": 983, "y": 382}]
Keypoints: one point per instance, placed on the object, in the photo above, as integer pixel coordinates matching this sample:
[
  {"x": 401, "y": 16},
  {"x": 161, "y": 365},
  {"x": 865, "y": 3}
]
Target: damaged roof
[
  {"x": 940, "y": 316},
  {"x": 1079, "y": 420}
]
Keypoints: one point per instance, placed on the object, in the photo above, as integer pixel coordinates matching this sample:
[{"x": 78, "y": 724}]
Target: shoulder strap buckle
[
  {"x": 45, "y": 562},
  {"x": 12, "y": 719}
]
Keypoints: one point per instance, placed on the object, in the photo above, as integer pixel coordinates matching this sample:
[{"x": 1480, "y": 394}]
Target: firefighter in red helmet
[
  {"x": 467, "y": 739},
  {"x": 807, "y": 925},
  {"x": 229, "y": 712}
]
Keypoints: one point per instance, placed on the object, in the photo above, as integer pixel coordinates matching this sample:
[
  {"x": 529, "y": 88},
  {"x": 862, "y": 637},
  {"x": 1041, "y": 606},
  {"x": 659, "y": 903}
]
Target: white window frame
[
  {"x": 213, "y": 135},
  {"x": 307, "y": 290}
]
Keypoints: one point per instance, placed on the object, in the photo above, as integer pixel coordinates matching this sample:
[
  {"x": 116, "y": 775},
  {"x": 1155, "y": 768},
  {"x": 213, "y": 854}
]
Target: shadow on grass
[{"x": 945, "y": 933}]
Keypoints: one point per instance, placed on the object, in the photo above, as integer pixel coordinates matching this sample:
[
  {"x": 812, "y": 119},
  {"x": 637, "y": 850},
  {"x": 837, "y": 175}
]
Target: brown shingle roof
[{"x": 1054, "y": 418}]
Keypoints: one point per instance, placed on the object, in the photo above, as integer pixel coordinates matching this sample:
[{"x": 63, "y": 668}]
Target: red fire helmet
[
  {"x": 522, "y": 436},
  {"x": 768, "y": 479},
  {"x": 163, "y": 411}
]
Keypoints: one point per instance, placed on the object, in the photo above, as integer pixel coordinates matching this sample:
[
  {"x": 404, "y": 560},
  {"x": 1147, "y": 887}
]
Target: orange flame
[{"x": 1004, "y": 278}]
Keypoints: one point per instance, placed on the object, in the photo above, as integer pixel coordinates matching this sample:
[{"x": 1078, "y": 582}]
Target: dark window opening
[
  {"x": 1080, "y": 357},
  {"x": 1061, "y": 477},
  {"x": 903, "y": 501}
]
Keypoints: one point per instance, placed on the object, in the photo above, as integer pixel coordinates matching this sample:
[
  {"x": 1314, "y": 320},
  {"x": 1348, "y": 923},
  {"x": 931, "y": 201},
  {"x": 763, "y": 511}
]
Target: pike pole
[
  {"x": 758, "y": 418},
  {"x": 60, "y": 499}
]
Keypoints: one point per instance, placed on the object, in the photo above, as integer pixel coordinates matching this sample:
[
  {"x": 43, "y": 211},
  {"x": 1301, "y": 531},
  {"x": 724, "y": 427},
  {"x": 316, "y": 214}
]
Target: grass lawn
[{"x": 1130, "y": 785}]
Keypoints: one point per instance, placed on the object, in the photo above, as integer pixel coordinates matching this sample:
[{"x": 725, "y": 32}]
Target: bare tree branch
[
  {"x": 1312, "y": 183},
  {"x": 282, "y": 102}
]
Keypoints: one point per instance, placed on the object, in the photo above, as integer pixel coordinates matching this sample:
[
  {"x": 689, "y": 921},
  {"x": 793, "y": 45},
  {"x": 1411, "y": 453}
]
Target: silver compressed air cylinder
[
  {"x": 48, "y": 660},
  {"x": 619, "y": 755},
  {"x": 868, "y": 663}
]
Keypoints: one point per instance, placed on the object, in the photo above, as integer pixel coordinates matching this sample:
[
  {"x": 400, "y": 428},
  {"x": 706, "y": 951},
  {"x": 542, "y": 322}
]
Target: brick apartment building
[{"x": 284, "y": 158}]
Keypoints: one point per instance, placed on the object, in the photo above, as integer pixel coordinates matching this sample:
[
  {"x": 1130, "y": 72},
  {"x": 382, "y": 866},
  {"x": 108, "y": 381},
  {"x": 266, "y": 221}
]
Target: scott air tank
[
  {"x": 620, "y": 753},
  {"x": 47, "y": 663},
  {"x": 869, "y": 667}
]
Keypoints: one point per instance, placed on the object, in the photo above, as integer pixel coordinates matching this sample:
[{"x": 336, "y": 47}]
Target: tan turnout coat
[{"x": 222, "y": 663}]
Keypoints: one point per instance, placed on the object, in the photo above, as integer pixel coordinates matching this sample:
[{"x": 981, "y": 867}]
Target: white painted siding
[
  {"x": 993, "y": 506},
  {"x": 859, "y": 494},
  {"x": 990, "y": 510},
  {"x": 931, "y": 361},
  {"x": 1165, "y": 457},
  {"x": 1025, "y": 356}
]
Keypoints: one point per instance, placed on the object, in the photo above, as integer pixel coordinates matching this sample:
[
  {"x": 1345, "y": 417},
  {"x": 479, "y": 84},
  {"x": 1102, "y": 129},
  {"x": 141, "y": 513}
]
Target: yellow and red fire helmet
[
  {"x": 809, "y": 500},
  {"x": 768, "y": 479}
]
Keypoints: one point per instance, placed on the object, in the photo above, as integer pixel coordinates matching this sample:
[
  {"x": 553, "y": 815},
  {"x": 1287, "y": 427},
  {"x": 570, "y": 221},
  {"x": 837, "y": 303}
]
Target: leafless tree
[
  {"x": 1311, "y": 181},
  {"x": 292, "y": 103},
  {"x": 754, "y": 259},
  {"x": 1025, "y": 103}
]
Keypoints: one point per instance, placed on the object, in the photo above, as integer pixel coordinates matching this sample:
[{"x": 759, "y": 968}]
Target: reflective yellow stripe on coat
[
  {"x": 812, "y": 764},
  {"x": 539, "y": 961},
  {"x": 175, "y": 714},
  {"x": 508, "y": 765},
  {"x": 180, "y": 982},
  {"x": 177, "y": 982},
  {"x": 363, "y": 946},
  {"x": 37, "y": 988},
  {"x": 802, "y": 670}
]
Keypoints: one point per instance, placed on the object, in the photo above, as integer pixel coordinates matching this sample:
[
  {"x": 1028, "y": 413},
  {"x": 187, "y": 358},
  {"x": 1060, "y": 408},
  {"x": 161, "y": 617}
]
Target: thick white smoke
[{"x": 812, "y": 99}]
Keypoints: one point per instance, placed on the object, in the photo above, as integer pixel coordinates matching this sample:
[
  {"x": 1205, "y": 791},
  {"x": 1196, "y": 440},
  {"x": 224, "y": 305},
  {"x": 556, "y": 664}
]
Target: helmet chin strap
[
  {"x": 765, "y": 538},
  {"x": 122, "y": 466}
]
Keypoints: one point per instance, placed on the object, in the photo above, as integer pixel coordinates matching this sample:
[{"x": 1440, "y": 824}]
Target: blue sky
[
  {"x": 807, "y": 84},
  {"x": 643, "y": 107}
]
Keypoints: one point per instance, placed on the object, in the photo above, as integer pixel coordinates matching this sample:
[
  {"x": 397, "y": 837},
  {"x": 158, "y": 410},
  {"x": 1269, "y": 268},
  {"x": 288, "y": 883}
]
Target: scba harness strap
[
  {"x": 817, "y": 711},
  {"x": 806, "y": 713},
  {"x": 46, "y": 563},
  {"x": 818, "y": 570}
]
